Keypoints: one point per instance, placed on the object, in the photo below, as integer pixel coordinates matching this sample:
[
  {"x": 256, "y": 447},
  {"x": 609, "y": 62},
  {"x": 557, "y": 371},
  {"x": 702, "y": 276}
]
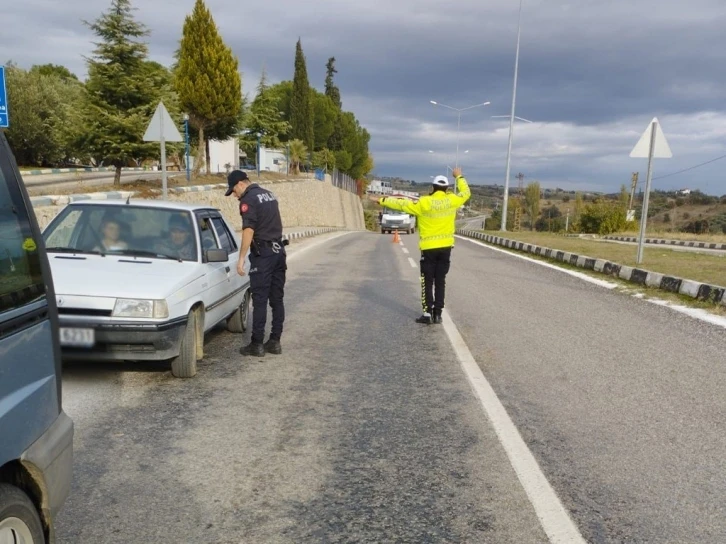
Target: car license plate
[{"x": 81, "y": 338}]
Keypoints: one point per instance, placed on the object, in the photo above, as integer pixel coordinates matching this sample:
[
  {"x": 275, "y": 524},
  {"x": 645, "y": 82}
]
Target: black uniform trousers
[
  {"x": 435, "y": 265},
  {"x": 267, "y": 284}
]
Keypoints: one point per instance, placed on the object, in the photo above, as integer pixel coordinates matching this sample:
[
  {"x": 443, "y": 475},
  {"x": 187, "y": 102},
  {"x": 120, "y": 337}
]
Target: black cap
[{"x": 234, "y": 177}]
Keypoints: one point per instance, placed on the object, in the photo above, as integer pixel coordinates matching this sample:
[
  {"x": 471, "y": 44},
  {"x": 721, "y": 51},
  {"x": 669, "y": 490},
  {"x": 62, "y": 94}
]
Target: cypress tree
[
  {"x": 207, "y": 78},
  {"x": 331, "y": 89},
  {"x": 302, "y": 117}
]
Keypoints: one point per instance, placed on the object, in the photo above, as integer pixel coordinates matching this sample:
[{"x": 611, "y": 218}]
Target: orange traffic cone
[{"x": 396, "y": 237}]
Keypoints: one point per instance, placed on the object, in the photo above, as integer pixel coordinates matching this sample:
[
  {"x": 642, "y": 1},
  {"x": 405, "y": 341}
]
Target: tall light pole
[
  {"x": 259, "y": 135},
  {"x": 458, "y": 125},
  {"x": 186, "y": 143},
  {"x": 511, "y": 123}
]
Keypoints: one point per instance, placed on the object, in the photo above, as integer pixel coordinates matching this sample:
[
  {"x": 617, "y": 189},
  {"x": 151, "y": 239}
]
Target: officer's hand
[
  {"x": 241, "y": 268},
  {"x": 374, "y": 198},
  {"x": 457, "y": 172}
]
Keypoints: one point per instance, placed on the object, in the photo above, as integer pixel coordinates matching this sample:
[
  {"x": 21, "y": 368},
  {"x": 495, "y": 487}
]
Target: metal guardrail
[{"x": 344, "y": 181}]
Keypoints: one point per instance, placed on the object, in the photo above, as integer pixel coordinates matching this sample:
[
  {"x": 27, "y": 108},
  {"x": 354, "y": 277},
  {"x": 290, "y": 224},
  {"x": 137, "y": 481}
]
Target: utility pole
[{"x": 632, "y": 190}]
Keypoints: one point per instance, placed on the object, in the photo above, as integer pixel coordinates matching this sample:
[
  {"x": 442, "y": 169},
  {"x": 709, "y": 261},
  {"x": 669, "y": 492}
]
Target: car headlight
[{"x": 130, "y": 307}]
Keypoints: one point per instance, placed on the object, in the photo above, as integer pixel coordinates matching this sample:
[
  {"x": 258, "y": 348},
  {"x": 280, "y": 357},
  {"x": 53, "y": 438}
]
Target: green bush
[
  {"x": 371, "y": 218},
  {"x": 604, "y": 217}
]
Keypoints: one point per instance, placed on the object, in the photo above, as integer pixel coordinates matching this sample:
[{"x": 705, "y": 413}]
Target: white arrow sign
[
  {"x": 161, "y": 127},
  {"x": 652, "y": 145},
  {"x": 661, "y": 149}
]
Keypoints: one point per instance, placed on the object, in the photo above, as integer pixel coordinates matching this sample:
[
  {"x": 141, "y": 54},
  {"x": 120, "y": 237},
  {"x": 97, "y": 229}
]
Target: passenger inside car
[{"x": 111, "y": 232}]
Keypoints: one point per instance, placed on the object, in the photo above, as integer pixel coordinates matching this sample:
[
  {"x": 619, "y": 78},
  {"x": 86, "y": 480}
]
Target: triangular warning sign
[
  {"x": 661, "y": 149},
  {"x": 162, "y": 124}
]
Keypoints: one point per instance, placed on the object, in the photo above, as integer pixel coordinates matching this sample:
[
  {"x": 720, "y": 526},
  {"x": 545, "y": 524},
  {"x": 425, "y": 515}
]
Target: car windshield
[
  {"x": 394, "y": 212},
  {"x": 123, "y": 230}
]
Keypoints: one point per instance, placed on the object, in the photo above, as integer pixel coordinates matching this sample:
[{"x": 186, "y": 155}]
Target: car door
[
  {"x": 218, "y": 274},
  {"x": 238, "y": 284}
]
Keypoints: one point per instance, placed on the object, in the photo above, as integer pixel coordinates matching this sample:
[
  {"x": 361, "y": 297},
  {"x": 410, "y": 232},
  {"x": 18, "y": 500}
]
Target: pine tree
[
  {"x": 301, "y": 105},
  {"x": 207, "y": 79},
  {"x": 118, "y": 100},
  {"x": 330, "y": 89},
  {"x": 265, "y": 117}
]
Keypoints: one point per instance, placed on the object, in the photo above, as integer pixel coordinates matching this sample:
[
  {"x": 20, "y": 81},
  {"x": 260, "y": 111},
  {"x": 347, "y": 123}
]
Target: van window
[{"x": 21, "y": 278}]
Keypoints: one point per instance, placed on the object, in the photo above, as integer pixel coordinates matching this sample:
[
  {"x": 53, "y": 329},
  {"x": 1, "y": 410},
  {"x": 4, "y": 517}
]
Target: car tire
[
  {"x": 185, "y": 364},
  {"x": 238, "y": 321},
  {"x": 19, "y": 519}
]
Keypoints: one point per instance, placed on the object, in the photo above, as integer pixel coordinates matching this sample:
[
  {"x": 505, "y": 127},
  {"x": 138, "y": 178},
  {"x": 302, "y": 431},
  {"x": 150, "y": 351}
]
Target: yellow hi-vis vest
[{"x": 435, "y": 214}]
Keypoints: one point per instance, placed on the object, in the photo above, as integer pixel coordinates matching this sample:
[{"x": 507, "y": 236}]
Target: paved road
[
  {"x": 719, "y": 252},
  {"x": 47, "y": 184},
  {"x": 366, "y": 429}
]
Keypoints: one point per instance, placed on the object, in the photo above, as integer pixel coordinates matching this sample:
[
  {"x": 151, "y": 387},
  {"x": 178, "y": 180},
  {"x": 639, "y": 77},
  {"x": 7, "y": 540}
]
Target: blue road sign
[{"x": 3, "y": 100}]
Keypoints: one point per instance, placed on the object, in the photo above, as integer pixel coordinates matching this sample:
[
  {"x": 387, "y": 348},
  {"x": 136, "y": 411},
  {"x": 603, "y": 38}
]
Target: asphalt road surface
[
  {"x": 719, "y": 252},
  {"x": 46, "y": 184},
  {"x": 367, "y": 430}
]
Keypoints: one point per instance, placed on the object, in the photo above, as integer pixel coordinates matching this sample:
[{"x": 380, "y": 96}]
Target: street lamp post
[
  {"x": 511, "y": 122},
  {"x": 259, "y": 135},
  {"x": 458, "y": 125},
  {"x": 186, "y": 143}
]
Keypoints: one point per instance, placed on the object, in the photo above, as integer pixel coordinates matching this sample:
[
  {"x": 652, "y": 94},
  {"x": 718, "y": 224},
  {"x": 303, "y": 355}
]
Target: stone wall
[{"x": 303, "y": 203}]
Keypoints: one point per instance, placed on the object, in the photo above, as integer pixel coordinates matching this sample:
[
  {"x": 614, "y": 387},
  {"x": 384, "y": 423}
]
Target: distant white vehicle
[
  {"x": 396, "y": 220},
  {"x": 144, "y": 280}
]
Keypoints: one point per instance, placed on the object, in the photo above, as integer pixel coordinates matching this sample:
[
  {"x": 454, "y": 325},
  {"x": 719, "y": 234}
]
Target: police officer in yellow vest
[{"x": 436, "y": 217}]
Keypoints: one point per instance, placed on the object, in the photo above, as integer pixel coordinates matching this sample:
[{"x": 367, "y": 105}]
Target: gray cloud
[{"x": 592, "y": 74}]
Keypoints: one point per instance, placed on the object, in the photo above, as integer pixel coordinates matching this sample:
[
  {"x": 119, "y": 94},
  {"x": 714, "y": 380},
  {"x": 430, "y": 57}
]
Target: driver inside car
[{"x": 180, "y": 243}]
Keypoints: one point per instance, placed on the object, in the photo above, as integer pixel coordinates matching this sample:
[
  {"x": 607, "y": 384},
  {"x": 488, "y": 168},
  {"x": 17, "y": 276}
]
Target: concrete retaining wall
[
  {"x": 303, "y": 203},
  {"x": 700, "y": 291}
]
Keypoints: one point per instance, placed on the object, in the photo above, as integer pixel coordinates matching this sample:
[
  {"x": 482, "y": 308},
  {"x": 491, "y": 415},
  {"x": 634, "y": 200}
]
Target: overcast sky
[{"x": 592, "y": 75}]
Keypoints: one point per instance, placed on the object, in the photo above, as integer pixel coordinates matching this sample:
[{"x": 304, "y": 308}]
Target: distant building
[
  {"x": 684, "y": 192},
  {"x": 379, "y": 187}
]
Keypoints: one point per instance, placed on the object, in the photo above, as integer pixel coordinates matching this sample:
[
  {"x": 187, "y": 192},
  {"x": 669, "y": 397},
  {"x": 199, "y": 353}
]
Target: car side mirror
[{"x": 217, "y": 255}]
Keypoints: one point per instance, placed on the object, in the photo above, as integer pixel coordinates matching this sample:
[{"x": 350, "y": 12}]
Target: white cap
[{"x": 441, "y": 181}]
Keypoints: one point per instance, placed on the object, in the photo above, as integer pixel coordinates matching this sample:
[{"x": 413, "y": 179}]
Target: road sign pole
[{"x": 646, "y": 197}]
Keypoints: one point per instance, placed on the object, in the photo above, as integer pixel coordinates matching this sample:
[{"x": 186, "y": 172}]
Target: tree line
[{"x": 58, "y": 120}]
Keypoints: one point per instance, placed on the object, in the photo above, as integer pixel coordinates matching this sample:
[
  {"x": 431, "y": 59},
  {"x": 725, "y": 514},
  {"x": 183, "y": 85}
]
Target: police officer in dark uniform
[{"x": 262, "y": 235}]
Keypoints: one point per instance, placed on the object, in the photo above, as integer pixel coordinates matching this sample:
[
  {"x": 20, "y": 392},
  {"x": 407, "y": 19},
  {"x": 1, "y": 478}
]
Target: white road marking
[
  {"x": 696, "y": 313},
  {"x": 405, "y": 250},
  {"x": 412, "y": 262},
  {"x": 400, "y": 242},
  {"x": 552, "y": 515}
]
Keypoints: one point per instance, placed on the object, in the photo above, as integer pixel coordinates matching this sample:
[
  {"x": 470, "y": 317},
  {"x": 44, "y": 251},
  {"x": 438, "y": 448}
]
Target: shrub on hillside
[
  {"x": 604, "y": 217},
  {"x": 699, "y": 226}
]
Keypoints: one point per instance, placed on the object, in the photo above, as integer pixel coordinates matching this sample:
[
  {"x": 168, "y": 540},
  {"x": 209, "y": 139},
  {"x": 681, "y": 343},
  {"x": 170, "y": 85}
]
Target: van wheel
[
  {"x": 237, "y": 322},
  {"x": 185, "y": 364},
  {"x": 19, "y": 520}
]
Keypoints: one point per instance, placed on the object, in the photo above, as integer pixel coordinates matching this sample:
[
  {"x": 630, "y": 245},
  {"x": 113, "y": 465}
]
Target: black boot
[
  {"x": 425, "y": 319},
  {"x": 436, "y": 317},
  {"x": 273, "y": 346},
  {"x": 253, "y": 349}
]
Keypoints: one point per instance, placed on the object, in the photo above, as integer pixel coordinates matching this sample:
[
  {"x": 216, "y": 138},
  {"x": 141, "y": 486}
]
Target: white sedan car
[{"x": 144, "y": 280}]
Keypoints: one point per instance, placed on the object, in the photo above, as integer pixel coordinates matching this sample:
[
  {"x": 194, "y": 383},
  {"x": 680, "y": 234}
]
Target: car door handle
[{"x": 226, "y": 268}]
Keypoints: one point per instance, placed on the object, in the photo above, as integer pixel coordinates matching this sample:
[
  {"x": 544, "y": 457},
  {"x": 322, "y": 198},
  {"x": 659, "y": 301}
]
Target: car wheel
[
  {"x": 185, "y": 364},
  {"x": 237, "y": 322},
  {"x": 19, "y": 520}
]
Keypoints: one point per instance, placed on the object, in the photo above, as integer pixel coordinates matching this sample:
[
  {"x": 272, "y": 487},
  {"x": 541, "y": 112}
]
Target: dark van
[{"x": 36, "y": 436}]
